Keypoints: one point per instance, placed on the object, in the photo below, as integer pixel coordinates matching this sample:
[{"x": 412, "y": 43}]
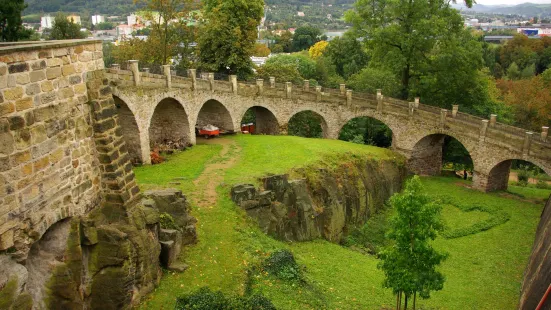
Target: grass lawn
[{"x": 483, "y": 271}]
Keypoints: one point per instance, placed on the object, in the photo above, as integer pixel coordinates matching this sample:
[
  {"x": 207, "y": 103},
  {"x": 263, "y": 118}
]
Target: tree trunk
[
  {"x": 406, "y": 303},
  {"x": 414, "y": 299},
  {"x": 398, "y": 301},
  {"x": 405, "y": 82}
]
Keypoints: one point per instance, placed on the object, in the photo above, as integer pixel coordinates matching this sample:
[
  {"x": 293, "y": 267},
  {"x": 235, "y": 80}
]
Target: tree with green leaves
[
  {"x": 11, "y": 28},
  {"x": 347, "y": 54},
  {"x": 166, "y": 17},
  {"x": 227, "y": 37},
  {"x": 304, "y": 37},
  {"x": 64, "y": 29},
  {"x": 410, "y": 263},
  {"x": 404, "y": 35}
]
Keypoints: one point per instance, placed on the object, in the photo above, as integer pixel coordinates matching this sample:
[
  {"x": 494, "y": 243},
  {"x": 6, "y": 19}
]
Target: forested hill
[
  {"x": 110, "y": 7},
  {"x": 124, "y": 7}
]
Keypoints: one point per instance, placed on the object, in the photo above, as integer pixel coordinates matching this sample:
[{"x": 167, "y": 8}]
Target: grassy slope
[{"x": 483, "y": 271}]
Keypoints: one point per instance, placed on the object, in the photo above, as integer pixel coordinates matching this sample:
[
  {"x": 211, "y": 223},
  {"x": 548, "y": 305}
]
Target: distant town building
[
  {"x": 300, "y": 14},
  {"x": 75, "y": 19},
  {"x": 133, "y": 19},
  {"x": 46, "y": 21},
  {"x": 98, "y": 19}
]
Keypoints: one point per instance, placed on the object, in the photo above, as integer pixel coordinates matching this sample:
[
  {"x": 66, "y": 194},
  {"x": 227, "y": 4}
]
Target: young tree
[
  {"x": 64, "y": 29},
  {"x": 410, "y": 263},
  {"x": 11, "y": 28},
  {"x": 227, "y": 38},
  {"x": 317, "y": 49}
]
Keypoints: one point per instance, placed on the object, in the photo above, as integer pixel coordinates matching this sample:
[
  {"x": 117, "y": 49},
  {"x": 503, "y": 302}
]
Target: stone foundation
[
  {"x": 426, "y": 156},
  {"x": 169, "y": 124},
  {"x": 214, "y": 113}
]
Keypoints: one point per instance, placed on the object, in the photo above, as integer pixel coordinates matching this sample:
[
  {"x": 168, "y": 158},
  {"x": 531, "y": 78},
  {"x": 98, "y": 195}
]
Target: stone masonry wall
[{"x": 48, "y": 164}]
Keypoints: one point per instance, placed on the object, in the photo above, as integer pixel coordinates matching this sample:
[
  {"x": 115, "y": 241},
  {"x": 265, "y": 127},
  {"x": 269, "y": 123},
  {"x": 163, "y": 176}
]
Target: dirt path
[{"x": 213, "y": 174}]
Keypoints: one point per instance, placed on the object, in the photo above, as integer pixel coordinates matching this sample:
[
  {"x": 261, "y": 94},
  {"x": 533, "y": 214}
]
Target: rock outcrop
[
  {"x": 537, "y": 277},
  {"x": 320, "y": 202},
  {"x": 92, "y": 262}
]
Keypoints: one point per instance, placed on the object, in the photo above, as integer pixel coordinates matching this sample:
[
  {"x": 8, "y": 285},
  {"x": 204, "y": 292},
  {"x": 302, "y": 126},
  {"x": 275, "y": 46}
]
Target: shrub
[
  {"x": 542, "y": 184},
  {"x": 205, "y": 299},
  {"x": 167, "y": 221},
  {"x": 282, "y": 264},
  {"x": 523, "y": 174}
]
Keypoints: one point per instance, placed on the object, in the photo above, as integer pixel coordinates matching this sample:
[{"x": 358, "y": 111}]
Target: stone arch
[
  {"x": 130, "y": 130},
  {"x": 325, "y": 130},
  {"x": 215, "y": 113},
  {"x": 425, "y": 157},
  {"x": 169, "y": 124},
  {"x": 265, "y": 120},
  {"x": 498, "y": 177},
  {"x": 377, "y": 120}
]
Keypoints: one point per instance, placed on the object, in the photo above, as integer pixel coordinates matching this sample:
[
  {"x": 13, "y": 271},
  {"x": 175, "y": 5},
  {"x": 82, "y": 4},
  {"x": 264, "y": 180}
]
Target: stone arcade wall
[
  {"x": 418, "y": 130},
  {"x": 74, "y": 232}
]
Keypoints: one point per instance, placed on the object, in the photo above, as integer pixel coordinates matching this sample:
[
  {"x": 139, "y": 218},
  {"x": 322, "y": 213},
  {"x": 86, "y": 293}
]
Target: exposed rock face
[
  {"x": 537, "y": 276},
  {"x": 322, "y": 204},
  {"x": 91, "y": 262}
]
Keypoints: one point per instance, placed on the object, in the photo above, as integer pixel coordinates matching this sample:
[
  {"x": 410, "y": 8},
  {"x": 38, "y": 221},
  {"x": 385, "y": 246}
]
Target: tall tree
[
  {"x": 410, "y": 263},
  {"x": 167, "y": 18},
  {"x": 347, "y": 54},
  {"x": 227, "y": 38},
  {"x": 64, "y": 29},
  {"x": 304, "y": 37},
  {"x": 403, "y": 34},
  {"x": 11, "y": 28}
]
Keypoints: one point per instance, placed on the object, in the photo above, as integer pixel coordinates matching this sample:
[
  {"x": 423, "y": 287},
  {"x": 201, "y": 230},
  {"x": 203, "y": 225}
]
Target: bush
[
  {"x": 167, "y": 221},
  {"x": 282, "y": 265},
  {"x": 542, "y": 184},
  {"x": 205, "y": 299}
]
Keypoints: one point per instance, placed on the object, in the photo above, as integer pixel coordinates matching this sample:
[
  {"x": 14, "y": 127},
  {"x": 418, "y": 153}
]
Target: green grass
[
  {"x": 263, "y": 154},
  {"x": 483, "y": 271},
  {"x": 186, "y": 165}
]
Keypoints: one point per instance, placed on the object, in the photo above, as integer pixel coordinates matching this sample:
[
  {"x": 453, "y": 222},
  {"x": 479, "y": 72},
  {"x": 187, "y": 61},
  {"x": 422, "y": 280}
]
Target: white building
[
  {"x": 98, "y": 19},
  {"x": 47, "y": 21},
  {"x": 132, "y": 19}
]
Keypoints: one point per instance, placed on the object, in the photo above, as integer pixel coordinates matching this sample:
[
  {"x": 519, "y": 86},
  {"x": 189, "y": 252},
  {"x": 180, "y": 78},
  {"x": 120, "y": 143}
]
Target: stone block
[
  {"x": 18, "y": 67},
  {"x": 243, "y": 192},
  {"x": 53, "y": 73},
  {"x": 22, "y": 78},
  {"x": 44, "y": 113},
  {"x": 47, "y": 98},
  {"x": 4, "y": 163},
  {"x": 32, "y": 89},
  {"x": 41, "y": 163},
  {"x": 3, "y": 81},
  {"x": 47, "y": 86},
  {"x": 38, "y": 134},
  {"x": 54, "y": 62},
  {"x": 60, "y": 52},
  {"x": 7, "y": 143},
  {"x": 20, "y": 158},
  {"x": 24, "y": 104},
  {"x": 86, "y": 56},
  {"x": 68, "y": 70},
  {"x": 6, "y": 108},
  {"x": 22, "y": 139},
  {"x": 65, "y": 93},
  {"x": 45, "y": 54},
  {"x": 36, "y": 76},
  {"x": 13, "y": 93},
  {"x": 80, "y": 89},
  {"x": 3, "y": 69},
  {"x": 16, "y": 122},
  {"x": 38, "y": 65}
]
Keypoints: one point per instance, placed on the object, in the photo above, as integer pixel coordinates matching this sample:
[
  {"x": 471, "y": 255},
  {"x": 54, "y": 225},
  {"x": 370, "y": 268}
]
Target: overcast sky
[{"x": 509, "y": 2}]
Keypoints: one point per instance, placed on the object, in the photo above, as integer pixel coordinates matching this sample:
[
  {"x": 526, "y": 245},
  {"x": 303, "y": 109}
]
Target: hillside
[{"x": 524, "y": 9}]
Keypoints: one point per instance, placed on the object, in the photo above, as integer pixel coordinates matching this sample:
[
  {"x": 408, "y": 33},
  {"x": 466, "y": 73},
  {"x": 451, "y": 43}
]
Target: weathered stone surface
[
  {"x": 323, "y": 205},
  {"x": 537, "y": 276}
]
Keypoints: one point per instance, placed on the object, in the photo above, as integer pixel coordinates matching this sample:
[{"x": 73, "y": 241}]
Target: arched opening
[
  {"x": 438, "y": 152},
  {"x": 130, "y": 130},
  {"x": 215, "y": 113},
  {"x": 366, "y": 130},
  {"x": 259, "y": 120},
  {"x": 519, "y": 173},
  {"x": 169, "y": 128},
  {"x": 308, "y": 124}
]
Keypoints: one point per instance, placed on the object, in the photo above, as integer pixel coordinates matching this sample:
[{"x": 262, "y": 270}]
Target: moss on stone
[{"x": 8, "y": 294}]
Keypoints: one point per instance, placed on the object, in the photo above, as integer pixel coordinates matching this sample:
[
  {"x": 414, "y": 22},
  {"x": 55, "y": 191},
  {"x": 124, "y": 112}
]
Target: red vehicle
[{"x": 208, "y": 131}]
